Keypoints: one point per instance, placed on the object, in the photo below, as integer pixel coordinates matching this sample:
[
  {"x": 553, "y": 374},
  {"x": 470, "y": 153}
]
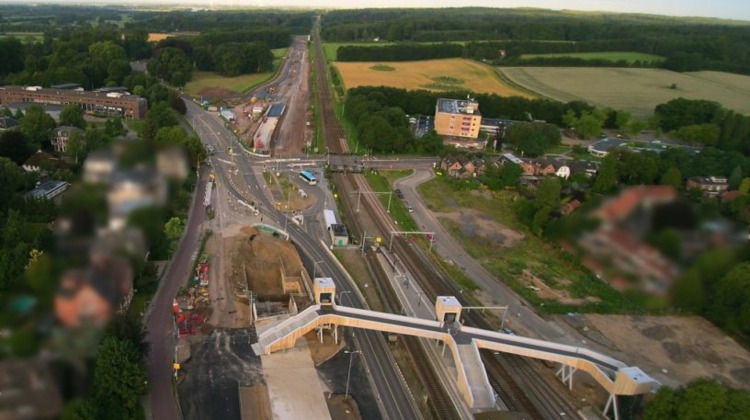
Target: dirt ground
[
  {"x": 321, "y": 352},
  {"x": 255, "y": 260},
  {"x": 215, "y": 93},
  {"x": 476, "y": 223},
  {"x": 341, "y": 408},
  {"x": 675, "y": 349}
]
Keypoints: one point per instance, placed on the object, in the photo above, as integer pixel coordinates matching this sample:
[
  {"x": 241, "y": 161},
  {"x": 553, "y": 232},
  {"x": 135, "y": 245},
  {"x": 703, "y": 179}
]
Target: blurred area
[{"x": 84, "y": 239}]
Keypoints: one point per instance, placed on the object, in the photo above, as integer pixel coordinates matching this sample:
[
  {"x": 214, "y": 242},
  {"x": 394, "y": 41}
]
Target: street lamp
[{"x": 348, "y": 372}]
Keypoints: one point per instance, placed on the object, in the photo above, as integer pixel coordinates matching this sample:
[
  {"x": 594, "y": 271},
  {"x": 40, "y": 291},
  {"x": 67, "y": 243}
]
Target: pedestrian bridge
[{"x": 464, "y": 342}]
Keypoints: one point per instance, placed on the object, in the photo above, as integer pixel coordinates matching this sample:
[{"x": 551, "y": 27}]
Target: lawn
[
  {"x": 605, "y": 55},
  {"x": 25, "y": 37},
  {"x": 635, "y": 90},
  {"x": 436, "y": 75},
  {"x": 572, "y": 287},
  {"x": 399, "y": 213},
  {"x": 205, "y": 80}
]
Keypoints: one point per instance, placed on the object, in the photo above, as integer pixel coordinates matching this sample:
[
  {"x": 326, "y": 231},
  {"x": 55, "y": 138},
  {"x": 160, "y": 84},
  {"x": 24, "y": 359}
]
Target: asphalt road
[
  {"x": 160, "y": 324},
  {"x": 390, "y": 388}
]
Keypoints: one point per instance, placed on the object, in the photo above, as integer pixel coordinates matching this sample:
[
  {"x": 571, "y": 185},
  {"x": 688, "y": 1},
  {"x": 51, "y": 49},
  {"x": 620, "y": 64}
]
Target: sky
[{"x": 730, "y": 9}]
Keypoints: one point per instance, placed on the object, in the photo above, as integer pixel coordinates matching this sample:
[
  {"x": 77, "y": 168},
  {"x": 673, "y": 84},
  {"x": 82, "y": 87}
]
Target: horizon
[{"x": 734, "y": 10}]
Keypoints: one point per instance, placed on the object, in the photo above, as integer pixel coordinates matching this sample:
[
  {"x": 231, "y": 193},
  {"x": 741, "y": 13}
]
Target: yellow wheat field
[{"x": 428, "y": 74}]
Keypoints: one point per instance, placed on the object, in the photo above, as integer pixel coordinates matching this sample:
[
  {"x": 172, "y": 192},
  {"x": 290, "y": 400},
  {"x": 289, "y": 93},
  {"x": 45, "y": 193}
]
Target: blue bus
[{"x": 308, "y": 177}]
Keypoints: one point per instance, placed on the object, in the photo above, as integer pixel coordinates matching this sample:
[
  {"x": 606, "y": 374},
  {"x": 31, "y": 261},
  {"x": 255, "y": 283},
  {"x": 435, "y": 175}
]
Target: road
[
  {"x": 160, "y": 324},
  {"x": 449, "y": 249},
  {"x": 247, "y": 185}
]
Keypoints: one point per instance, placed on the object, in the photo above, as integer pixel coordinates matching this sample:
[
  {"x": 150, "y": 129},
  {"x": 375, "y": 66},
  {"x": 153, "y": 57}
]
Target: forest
[{"x": 687, "y": 45}]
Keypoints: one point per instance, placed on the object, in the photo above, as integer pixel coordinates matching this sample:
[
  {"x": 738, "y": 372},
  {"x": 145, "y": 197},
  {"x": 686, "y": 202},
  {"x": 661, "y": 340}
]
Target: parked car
[
  {"x": 399, "y": 194},
  {"x": 508, "y": 331},
  {"x": 410, "y": 208}
]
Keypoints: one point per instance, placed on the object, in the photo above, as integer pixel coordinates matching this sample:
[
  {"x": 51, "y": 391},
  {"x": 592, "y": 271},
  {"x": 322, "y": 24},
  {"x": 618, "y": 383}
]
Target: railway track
[
  {"x": 440, "y": 404},
  {"x": 332, "y": 130},
  {"x": 513, "y": 378}
]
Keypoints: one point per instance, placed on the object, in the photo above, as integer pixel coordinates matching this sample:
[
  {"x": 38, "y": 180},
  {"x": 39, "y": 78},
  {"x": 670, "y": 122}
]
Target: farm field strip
[
  {"x": 636, "y": 90},
  {"x": 471, "y": 75},
  {"x": 603, "y": 55}
]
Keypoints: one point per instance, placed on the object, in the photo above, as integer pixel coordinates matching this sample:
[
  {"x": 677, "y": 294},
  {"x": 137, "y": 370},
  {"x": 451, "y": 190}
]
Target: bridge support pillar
[
  {"x": 611, "y": 402},
  {"x": 565, "y": 373}
]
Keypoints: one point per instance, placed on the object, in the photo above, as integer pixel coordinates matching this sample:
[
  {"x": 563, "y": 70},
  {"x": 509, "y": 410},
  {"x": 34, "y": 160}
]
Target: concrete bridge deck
[{"x": 615, "y": 376}]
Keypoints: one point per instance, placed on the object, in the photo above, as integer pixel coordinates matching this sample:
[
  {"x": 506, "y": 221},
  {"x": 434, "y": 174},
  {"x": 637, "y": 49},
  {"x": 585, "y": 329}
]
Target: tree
[
  {"x": 730, "y": 308},
  {"x": 72, "y": 115},
  {"x": 672, "y": 177},
  {"x": 128, "y": 327},
  {"x": 735, "y": 178},
  {"x": 37, "y": 125},
  {"x": 119, "y": 375},
  {"x": 13, "y": 145},
  {"x": 548, "y": 194},
  {"x": 703, "y": 399},
  {"x": 622, "y": 120},
  {"x": 700, "y": 399},
  {"x": 706, "y": 134},
  {"x": 173, "y": 230},
  {"x": 607, "y": 176},
  {"x": 76, "y": 146},
  {"x": 744, "y": 187},
  {"x": 662, "y": 407}
]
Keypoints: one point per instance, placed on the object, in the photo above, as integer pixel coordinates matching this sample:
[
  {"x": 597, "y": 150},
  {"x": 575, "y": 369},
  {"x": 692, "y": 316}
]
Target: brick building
[{"x": 110, "y": 104}]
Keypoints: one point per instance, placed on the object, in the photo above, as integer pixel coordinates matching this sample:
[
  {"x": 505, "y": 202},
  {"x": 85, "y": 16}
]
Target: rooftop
[
  {"x": 458, "y": 106},
  {"x": 48, "y": 189},
  {"x": 70, "y": 93},
  {"x": 606, "y": 144}
]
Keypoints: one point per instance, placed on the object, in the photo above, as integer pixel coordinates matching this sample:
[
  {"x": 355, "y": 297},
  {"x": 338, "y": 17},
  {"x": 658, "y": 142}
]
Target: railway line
[
  {"x": 440, "y": 403},
  {"x": 514, "y": 379}
]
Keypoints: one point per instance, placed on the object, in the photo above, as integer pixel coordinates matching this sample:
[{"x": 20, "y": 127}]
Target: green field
[
  {"x": 25, "y": 37},
  {"x": 572, "y": 288},
  {"x": 606, "y": 55},
  {"x": 203, "y": 81},
  {"x": 636, "y": 90}
]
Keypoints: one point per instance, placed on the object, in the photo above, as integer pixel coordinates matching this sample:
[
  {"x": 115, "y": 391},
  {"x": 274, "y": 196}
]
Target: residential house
[
  {"x": 43, "y": 160},
  {"x": 545, "y": 167},
  {"x": 458, "y": 167},
  {"x": 711, "y": 186},
  {"x": 479, "y": 166},
  {"x": 99, "y": 166},
  {"x": 528, "y": 168},
  {"x": 61, "y": 136},
  {"x": 91, "y": 296},
  {"x": 582, "y": 166},
  {"x": 570, "y": 207}
]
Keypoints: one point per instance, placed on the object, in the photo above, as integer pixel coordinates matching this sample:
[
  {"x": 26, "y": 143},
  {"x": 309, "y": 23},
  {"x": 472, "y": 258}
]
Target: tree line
[
  {"x": 399, "y": 52},
  {"x": 687, "y": 45}
]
